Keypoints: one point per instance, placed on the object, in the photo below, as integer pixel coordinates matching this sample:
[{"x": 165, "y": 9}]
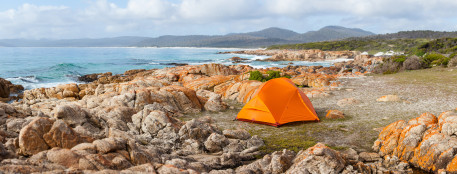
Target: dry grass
[{"x": 430, "y": 90}]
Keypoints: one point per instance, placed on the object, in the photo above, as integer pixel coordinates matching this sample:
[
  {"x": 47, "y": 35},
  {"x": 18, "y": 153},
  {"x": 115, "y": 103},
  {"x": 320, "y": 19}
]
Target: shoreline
[{"x": 142, "y": 109}]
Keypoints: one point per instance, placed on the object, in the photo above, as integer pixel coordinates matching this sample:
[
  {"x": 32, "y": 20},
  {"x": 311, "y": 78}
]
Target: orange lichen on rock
[
  {"x": 426, "y": 142},
  {"x": 313, "y": 80},
  {"x": 242, "y": 91},
  {"x": 207, "y": 83},
  {"x": 452, "y": 166},
  {"x": 334, "y": 114},
  {"x": 425, "y": 118},
  {"x": 188, "y": 92}
]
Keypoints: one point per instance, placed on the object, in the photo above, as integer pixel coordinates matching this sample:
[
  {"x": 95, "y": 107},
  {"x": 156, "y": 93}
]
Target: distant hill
[
  {"x": 266, "y": 37},
  {"x": 273, "y": 32},
  {"x": 234, "y": 40},
  {"x": 415, "y": 34},
  {"x": 262, "y": 38},
  {"x": 331, "y": 33}
]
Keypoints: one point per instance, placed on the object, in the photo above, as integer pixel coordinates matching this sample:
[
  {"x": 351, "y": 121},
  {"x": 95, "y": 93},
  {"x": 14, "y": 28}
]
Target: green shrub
[
  {"x": 399, "y": 59},
  {"x": 432, "y": 59},
  {"x": 257, "y": 75},
  {"x": 273, "y": 75}
]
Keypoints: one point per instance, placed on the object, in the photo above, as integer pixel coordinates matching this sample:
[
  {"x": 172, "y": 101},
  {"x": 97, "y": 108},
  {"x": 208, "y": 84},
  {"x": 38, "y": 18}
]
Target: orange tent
[{"x": 277, "y": 102}]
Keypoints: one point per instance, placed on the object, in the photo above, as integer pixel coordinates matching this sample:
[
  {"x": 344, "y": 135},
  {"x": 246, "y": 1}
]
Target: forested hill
[
  {"x": 414, "y": 42},
  {"x": 417, "y": 34},
  {"x": 262, "y": 38}
]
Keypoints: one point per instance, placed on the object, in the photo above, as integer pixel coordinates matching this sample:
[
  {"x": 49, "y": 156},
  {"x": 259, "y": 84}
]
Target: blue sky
[{"x": 57, "y": 19}]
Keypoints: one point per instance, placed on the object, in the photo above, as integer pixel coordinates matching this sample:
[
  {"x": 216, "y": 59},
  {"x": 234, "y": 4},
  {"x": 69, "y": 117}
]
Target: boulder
[
  {"x": 42, "y": 134},
  {"x": 153, "y": 121},
  {"x": 186, "y": 98},
  {"x": 15, "y": 124},
  {"x": 109, "y": 145},
  {"x": 313, "y": 80},
  {"x": 207, "y": 83},
  {"x": 73, "y": 115},
  {"x": 318, "y": 159},
  {"x": 275, "y": 163},
  {"x": 144, "y": 168},
  {"x": 66, "y": 91},
  {"x": 237, "y": 134},
  {"x": 64, "y": 157},
  {"x": 213, "y": 102},
  {"x": 31, "y": 139},
  {"x": 217, "y": 69},
  {"x": 242, "y": 91},
  {"x": 389, "y": 98},
  {"x": 334, "y": 114},
  {"x": 198, "y": 129},
  {"x": 216, "y": 142},
  {"x": 63, "y": 136},
  {"x": 369, "y": 157},
  {"x": 4, "y": 88},
  {"x": 14, "y": 168}
]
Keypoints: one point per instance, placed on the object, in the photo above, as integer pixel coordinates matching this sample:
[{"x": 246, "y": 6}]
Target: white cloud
[
  {"x": 102, "y": 18},
  {"x": 30, "y": 20},
  {"x": 210, "y": 10}
]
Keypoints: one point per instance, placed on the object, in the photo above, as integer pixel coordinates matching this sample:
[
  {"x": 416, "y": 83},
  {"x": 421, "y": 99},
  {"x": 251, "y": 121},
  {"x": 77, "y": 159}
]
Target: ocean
[{"x": 48, "y": 67}]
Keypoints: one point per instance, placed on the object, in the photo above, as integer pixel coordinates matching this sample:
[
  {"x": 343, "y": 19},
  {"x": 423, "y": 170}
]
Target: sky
[{"x": 58, "y": 19}]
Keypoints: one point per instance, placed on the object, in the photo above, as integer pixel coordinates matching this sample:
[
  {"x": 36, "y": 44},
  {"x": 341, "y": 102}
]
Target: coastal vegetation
[
  {"x": 410, "y": 42},
  {"x": 418, "y": 49},
  {"x": 257, "y": 75},
  {"x": 372, "y": 46}
]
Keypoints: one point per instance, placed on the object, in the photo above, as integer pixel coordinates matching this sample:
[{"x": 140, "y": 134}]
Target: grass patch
[
  {"x": 438, "y": 77},
  {"x": 294, "y": 140}
]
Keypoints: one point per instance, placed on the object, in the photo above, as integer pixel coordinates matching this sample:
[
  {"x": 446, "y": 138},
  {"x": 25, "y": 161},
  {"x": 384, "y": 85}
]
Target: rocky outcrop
[
  {"x": 121, "y": 151},
  {"x": 217, "y": 69},
  {"x": 242, "y": 91},
  {"x": 300, "y": 55},
  {"x": 7, "y": 88},
  {"x": 43, "y": 133},
  {"x": 275, "y": 163},
  {"x": 176, "y": 86},
  {"x": 129, "y": 123},
  {"x": 67, "y": 91},
  {"x": 320, "y": 159},
  {"x": 211, "y": 101},
  {"x": 107, "y": 78},
  {"x": 4, "y": 88},
  {"x": 427, "y": 142},
  {"x": 313, "y": 80}
]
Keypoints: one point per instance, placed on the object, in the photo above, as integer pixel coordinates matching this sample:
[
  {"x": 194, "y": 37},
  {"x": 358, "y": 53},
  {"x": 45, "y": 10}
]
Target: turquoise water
[{"x": 47, "y": 67}]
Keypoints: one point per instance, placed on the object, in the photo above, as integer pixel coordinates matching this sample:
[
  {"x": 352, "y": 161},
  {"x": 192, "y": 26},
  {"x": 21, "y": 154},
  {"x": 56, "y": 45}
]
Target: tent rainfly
[{"x": 277, "y": 102}]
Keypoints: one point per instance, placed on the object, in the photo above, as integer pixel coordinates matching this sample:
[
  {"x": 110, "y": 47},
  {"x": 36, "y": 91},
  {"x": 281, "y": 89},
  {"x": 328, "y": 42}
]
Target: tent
[{"x": 277, "y": 102}]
